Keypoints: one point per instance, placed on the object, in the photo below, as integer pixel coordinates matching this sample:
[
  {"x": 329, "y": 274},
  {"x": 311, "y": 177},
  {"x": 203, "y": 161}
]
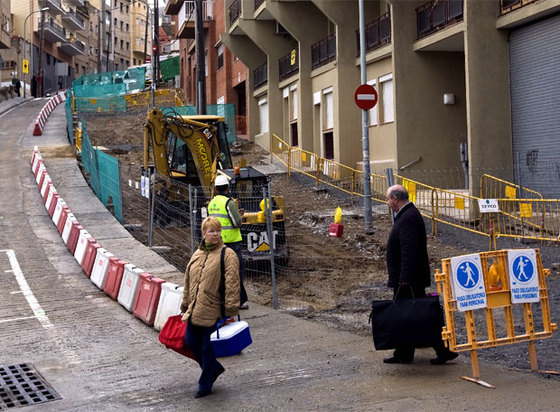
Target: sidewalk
[
  {"x": 11, "y": 103},
  {"x": 293, "y": 363}
]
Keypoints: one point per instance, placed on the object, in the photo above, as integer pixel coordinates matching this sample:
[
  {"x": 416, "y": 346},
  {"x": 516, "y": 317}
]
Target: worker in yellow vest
[{"x": 225, "y": 210}]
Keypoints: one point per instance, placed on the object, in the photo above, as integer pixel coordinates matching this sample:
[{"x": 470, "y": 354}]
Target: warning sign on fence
[
  {"x": 468, "y": 282},
  {"x": 523, "y": 279}
]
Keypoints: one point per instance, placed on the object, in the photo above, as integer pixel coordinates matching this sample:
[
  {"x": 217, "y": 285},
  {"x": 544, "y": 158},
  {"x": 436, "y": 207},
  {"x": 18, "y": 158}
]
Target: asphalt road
[{"x": 97, "y": 356}]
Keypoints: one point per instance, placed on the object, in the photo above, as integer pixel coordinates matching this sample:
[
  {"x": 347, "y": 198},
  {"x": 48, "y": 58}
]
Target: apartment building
[
  {"x": 447, "y": 72},
  {"x": 5, "y": 42},
  {"x": 141, "y": 35},
  {"x": 226, "y": 75}
]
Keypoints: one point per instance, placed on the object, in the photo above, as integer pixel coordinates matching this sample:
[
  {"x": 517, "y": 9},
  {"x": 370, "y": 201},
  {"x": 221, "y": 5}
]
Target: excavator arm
[{"x": 200, "y": 139}]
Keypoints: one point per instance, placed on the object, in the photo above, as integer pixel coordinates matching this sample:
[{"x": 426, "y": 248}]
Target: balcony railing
[
  {"x": 54, "y": 6},
  {"x": 72, "y": 19},
  {"x": 510, "y": 5},
  {"x": 258, "y": 3},
  {"x": 289, "y": 64},
  {"x": 234, "y": 11},
  {"x": 53, "y": 32},
  {"x": 323, "y": 51},
  {"x": 260, "y": 76},
  {"x": 188, "y": 13},
  {"x": 436, "y": 15},
  {"x": 377, "y": 33}
]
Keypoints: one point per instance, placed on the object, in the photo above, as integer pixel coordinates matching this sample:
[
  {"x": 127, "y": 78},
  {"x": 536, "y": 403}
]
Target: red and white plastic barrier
[
  {"x": 46, "y": 112},
  {"x": 149, "y": 298}
]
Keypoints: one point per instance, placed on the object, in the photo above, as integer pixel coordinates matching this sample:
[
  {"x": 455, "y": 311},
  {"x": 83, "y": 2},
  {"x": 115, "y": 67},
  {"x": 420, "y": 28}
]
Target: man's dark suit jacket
[{"x": 407, "y": 253}]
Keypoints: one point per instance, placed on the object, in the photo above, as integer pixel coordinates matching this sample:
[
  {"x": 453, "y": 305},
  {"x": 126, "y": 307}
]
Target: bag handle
[
  {"x": 221, "y": 323},
  {"x": 399, "y": 289}
]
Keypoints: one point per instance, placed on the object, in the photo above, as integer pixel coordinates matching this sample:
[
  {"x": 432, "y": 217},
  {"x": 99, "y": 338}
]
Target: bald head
[{"x": 397, "y": 197}]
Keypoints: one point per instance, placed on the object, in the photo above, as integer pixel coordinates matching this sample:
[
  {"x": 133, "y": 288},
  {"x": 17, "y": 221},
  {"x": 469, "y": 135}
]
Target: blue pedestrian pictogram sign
[
  {"x": 468, "y": 282},
  {"x": 523, "y": 279}
]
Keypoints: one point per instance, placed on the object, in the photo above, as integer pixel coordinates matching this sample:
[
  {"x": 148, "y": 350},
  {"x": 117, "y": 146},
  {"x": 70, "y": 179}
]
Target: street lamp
[{"x": 30, "y": 46}]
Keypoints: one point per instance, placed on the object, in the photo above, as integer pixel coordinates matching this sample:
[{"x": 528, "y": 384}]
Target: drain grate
[{"x": 21, "y": 385}]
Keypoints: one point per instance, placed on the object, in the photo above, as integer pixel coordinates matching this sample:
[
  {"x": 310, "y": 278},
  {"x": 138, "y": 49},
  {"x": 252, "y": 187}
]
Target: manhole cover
[{"x": 21, "y": 385}]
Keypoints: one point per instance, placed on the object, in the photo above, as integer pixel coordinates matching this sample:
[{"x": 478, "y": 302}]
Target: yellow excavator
[{"x": 192, "y": 150}]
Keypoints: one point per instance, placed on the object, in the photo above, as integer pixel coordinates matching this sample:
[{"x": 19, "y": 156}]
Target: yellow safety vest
[{"x": 217, "y": 208}]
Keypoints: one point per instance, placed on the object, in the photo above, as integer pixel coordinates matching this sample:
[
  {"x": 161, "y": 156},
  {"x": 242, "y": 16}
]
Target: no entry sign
[{"x": 365, "y": 97}]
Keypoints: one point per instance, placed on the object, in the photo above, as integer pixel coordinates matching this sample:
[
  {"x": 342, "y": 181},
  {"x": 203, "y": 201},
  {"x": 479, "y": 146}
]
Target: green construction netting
[
  {"x": 110, "y": 83},
  {"x": 104, "y": 174},
  {"x": 225, "y": 110},
  {"x": 169, "y": 68}
]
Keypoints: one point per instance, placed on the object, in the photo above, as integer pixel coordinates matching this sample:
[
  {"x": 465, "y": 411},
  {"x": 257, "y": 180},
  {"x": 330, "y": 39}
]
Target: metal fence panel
[{"x": 110, "y": 182}]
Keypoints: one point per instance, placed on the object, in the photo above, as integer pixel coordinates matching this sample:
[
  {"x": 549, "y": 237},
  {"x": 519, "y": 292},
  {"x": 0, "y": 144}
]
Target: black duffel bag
[{"x": 413, "y": 322}]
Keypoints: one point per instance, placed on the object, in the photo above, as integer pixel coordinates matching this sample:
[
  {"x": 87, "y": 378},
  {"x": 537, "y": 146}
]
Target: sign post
[
  {"x": 365, "y": 135},
  {"x": 490, "y": 206}
]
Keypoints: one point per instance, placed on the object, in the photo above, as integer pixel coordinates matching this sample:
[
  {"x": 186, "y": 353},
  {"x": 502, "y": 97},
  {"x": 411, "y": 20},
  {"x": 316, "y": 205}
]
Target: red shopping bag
[{"x": 172, "y": 335}]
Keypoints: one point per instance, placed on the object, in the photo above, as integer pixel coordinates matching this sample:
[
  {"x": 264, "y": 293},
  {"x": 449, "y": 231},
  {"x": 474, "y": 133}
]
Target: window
[
  {"x": 328, "y": 113},
  {"x": 387, "y": 97},
  {"x": 122, "y": 24},
  {"x": 127, "y": 27},
  {"x": 294, "y": 103},
  {"x": 220, "y": 56},
  {"x": 122, "y": 44},
  {"x": 206, "y": 64},
  {"x": 373, "y": 112},
  {"x": 263, "y": 115},
  {"x": 115, "y": 22},
  {"x": 127, "y": 45},
  {"x": 127, "y": 8},
  {"x": 134, "y": 60},
  {"x": 122, "y": 5}
]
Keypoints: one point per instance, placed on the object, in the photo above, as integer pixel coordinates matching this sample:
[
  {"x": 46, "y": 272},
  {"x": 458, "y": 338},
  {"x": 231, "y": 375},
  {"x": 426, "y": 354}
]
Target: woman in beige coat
[{"x": 202, "y": 299}]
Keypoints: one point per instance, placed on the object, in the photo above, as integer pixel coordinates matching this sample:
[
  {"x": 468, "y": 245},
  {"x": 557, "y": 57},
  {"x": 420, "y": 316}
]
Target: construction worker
[{"x": 225, "y": 209}]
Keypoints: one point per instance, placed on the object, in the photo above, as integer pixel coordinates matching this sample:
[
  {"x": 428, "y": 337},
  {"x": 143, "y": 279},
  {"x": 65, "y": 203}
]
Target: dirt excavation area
[{"x": 333, "y": 280}]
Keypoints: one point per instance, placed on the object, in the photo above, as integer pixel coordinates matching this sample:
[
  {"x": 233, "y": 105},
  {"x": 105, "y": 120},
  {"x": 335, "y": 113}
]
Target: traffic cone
[{"x": 37, "y": 131}]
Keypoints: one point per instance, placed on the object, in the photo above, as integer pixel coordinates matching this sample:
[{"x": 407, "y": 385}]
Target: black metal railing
[
  {"x": 323, "y": 51},
  {"x": 377, "y": 33},
  {"x": 260, "y": 76},
  {"x": 50, "y": 24},
  {"x": 258, "y": 3},
  {"x": 509, "y": 5},
  {"x": 288, "y": 64},
  {"x": 234, "y": 11},
  {"x": 436, "y": 15}
]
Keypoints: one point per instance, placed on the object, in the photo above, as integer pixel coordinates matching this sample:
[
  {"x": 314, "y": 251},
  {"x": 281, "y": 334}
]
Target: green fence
[
  {"x": 104, "y": 174},
  {"x": 68, "y": 109},
  {"x": 225, "y": 110}
]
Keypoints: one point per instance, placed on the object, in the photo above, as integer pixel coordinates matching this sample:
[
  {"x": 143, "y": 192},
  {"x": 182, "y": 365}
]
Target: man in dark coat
[{"x": 408, "y": 264}]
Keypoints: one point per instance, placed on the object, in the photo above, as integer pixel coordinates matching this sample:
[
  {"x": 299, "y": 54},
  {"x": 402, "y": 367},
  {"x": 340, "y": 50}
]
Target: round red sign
[{"x": 365, "y": 97}]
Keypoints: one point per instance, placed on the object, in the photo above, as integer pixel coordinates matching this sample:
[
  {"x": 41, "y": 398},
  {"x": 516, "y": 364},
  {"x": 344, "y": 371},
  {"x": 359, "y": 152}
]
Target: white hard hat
[{"x": 221, "y": 180}]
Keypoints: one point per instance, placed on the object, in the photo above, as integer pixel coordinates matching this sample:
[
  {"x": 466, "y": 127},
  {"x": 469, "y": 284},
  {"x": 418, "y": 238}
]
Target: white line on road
[
  {"x": 24, "y": 287},
  {"x": 15, "y": 319}
]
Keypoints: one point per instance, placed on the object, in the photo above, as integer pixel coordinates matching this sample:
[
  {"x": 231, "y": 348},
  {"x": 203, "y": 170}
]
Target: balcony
[
  {"x": 72, "y": 47},
  {"x": 323, "y": 51},
  {"x": 187, "y": 18},
  {"x": 55, "y": 8},
  {"x": 288, "y": 65},
  {"x": 234, "y": 11},
  {"x": 436, "y": 15},
  {"x": 377, "y": 33},
  {"x": 76, "y": 2},
  {"x": 73, "y": 21},
  {"x": 260, "y": 76},
  {"x": 510, "y": 5},
  {"x": 173, "y": 7},
  {"x": 53, "y": 33},
  {"x": 258, "y": 3}
]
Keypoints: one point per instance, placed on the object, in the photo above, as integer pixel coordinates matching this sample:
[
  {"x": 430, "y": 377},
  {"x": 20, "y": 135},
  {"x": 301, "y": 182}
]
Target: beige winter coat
[{"x": 201, "y": 295}]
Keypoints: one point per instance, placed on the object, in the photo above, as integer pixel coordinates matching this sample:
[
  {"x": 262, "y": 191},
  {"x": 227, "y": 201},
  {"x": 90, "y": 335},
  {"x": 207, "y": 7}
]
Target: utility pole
[
  {"x": 146, "y": 31},
  {"x": 101, "y": 32},
  {"x": 41, "y": 46},
  {"x": 109, "y": 41},
  {"x": 200, "y": 60},
  {"x": 156, "y": 42}
]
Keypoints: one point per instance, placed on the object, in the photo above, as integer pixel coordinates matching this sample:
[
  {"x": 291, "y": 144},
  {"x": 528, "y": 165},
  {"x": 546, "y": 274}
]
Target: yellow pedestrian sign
[{"x": 25, "y": 66}]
